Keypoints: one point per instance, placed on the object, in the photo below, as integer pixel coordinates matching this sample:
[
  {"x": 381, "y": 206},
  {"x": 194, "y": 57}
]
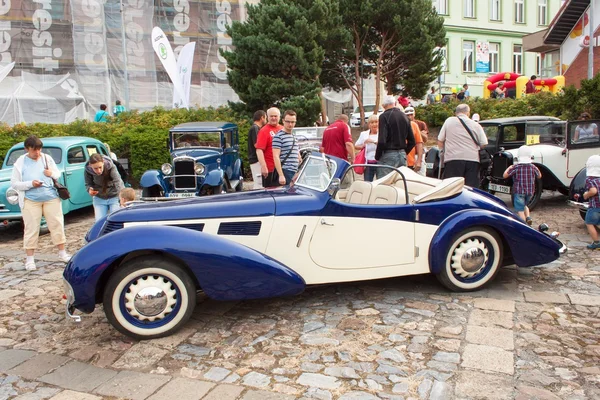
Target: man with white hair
[
  {"x": 264, "y": 146},
  {"x": 396, "y": 138},
  {"x": 461, "y": 138}
]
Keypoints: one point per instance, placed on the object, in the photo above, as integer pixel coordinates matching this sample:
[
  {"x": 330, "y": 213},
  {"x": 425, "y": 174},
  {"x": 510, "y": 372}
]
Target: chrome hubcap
[
  {"x": 469, "y": 258},
  {"x": 150, "y": 298}
]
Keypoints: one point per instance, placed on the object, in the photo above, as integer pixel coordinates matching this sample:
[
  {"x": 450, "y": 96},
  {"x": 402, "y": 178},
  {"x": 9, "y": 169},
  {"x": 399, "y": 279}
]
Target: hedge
[
  {"x": 567, "y": 105},
  {"x": 139, "y": 137}
]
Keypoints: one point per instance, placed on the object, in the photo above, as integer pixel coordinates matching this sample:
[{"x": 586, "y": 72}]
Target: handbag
[
  {"x": 361, "y": 158},
  {"x": 61, "y": 189},
  {"x": 484, "y": 157},
  {"x": 275, "y": 178}
]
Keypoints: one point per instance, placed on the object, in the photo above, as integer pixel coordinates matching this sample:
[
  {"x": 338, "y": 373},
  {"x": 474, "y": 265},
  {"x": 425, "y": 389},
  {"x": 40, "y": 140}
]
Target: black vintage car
[{"x": 502, "y": 134}]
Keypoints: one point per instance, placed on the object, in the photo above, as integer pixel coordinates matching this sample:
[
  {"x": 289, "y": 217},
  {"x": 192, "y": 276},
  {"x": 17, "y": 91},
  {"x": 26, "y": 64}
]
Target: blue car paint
[
  {"x": 153, "y": 178},
  {"x": 540, "y": 248},
  {"x": 213, "y": 178},
  {"x": 225, "y": 270}
]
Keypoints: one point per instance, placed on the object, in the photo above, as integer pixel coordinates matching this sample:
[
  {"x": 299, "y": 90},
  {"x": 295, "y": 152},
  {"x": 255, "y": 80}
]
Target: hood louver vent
[
  {"x": 196, "y": 227},
  {"x": 111, "y": 227},
  {"x": 251, "y": 228}
]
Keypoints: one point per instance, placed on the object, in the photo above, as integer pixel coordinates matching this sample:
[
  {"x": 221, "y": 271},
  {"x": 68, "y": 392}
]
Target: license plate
[
  {"x": 182, "y": 195},
  {"x": 499, "y": 188},
  {"x": 429, "y": 165}
]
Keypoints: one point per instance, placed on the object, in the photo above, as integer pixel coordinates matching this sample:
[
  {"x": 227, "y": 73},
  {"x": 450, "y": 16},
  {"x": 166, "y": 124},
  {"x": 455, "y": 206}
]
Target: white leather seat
[
  {"x": 384, "y": 194},
  {"x": 448, "y": 187},
  {"x": 359, "y": 192}
]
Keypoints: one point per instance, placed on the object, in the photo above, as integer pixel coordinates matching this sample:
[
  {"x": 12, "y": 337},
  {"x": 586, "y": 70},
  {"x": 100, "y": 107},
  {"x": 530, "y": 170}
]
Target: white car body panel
[{"x": 351, "y": 252}]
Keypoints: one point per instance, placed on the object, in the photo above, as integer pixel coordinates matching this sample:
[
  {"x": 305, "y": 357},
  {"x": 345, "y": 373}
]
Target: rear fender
[
  {"x": 225, "y": 270},
  {"x": 527, "y": 246},
  {"x": 152, "y": 178}
]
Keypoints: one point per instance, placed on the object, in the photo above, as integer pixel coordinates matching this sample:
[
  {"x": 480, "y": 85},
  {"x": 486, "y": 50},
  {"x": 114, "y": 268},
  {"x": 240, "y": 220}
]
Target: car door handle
[
  {"x": 68, "y": 173},
  {"x": 323, "y": 222}
]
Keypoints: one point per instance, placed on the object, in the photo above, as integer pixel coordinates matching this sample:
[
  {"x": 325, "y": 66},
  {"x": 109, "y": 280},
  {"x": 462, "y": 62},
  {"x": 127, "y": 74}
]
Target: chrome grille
[
  {"x": 3, "y": 208},
  {"x": 184, "y": 176},
  {"x": 499, "y": 164}
]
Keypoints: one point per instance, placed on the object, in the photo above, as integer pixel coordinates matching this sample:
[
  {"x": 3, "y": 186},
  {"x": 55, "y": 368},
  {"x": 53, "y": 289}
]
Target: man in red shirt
[
  {"x": 264, "y": 146},
  {"x": 337, "y": 141}
]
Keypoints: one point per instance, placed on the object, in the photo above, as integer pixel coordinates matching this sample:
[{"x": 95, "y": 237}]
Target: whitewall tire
[
  {"x": 149, "y": 297},
  {"x": 473, "y": 259}
]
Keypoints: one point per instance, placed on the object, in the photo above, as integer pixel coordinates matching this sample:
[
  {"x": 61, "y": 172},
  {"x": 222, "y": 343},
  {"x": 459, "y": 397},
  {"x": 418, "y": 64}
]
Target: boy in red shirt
[{"x": 264, "y": 146}]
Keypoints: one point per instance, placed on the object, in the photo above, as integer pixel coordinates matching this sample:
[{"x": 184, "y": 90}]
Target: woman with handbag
[
  {"x": 33, "y": 177},
  {"x": 367, "y": 141},
  {"x": 103, "y": 183}
]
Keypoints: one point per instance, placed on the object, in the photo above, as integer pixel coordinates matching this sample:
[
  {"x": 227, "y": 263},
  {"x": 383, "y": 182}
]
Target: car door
[
  {"x": 76, "y": 158},
  {"x": 353, "y": 236},
  {"x": 230, "y": 153},
  {"x": 583, "y": 141}
]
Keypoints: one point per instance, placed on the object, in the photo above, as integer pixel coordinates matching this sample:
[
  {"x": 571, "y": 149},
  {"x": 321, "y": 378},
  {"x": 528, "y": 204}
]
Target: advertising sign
[{"x": 482, "y": 57}]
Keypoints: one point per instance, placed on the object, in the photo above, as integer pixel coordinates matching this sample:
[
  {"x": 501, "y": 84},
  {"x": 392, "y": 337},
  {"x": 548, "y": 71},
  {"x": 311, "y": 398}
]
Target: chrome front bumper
[
  {"x": 577, "y": 204},
  {"x": 70, "y": 309}
]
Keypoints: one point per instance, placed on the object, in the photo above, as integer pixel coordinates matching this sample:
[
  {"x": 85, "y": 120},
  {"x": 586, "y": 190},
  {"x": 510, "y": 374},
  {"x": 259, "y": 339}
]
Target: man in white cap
[{"x": 524, "y": 174}]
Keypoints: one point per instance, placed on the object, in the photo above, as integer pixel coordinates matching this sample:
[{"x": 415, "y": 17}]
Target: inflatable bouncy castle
[{"x": 512, "y": 80}]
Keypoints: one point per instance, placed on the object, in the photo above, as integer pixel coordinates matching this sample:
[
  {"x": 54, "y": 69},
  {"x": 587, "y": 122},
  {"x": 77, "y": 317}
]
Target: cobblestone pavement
[{"x": 533, "y": 334}]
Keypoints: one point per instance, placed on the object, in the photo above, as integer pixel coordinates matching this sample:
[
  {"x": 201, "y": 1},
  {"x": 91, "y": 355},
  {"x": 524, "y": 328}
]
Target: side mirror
[{"x": 334, "y": 186}]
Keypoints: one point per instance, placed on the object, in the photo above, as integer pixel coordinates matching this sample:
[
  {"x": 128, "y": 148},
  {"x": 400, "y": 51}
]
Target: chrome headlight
[
  {"x": 12, "y": 196},
  {"x": 199, "y": 168},
  {"x": 167, "y": 169}
]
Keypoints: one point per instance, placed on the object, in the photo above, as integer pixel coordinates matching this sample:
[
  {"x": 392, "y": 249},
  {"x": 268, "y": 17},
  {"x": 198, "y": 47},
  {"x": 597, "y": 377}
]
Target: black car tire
[
  {"x": 123, "y": 299},
  {"x": 536, "y": 196},
  {"x": 582, "y": 214},
  {"x": 455, "y": 277}
]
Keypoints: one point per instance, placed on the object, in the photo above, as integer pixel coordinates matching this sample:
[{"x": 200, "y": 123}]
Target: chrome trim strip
[
  {"x": 578, "y": 204},
  {"x": 301, "y": 236}
]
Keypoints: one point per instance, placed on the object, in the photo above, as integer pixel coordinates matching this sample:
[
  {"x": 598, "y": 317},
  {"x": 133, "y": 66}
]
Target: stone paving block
[
  {"x": 132, "y": 385},
  {"x": 224, "y": 392},
  {"x": 8, "y": 293},
  {"x": 497, "y": 337},
  {"x": 170, "y": 342},
  {"x": 78, "y": 376},
  {"x": 473, "y": 384},
  {"x": 546, "y": 297},
  {"x": 71, "y": 395},
  {"x": 38, "y": 394},
  {"x": 264, "y": 395},
  {"x": 491, "y": 319},
  {"x": 184, "y": 389},
  {"x": 487, "y": 358},
  {"x": 11, "y": 358},
  {"x": 140, "y": 356},
  {"x": 495, "y": 304},
  {"x": 584, "y": 299},
  {"x": 39, "y": 365}
]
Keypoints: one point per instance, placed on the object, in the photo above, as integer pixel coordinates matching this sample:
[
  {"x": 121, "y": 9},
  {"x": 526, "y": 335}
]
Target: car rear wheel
[
  {"x": 536, "y": 195},
  {"x": 472, "y": 261},
  {"x": 149, "y": 297}
]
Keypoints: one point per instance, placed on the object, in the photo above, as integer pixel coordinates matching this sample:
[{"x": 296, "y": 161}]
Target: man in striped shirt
[{"x": 286, "y": 152}]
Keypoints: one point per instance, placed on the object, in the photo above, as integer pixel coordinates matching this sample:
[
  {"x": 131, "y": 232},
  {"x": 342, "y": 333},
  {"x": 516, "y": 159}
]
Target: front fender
[
  {"x": 151, "y": 178},
  {"x": 214, "y": 178},
  {"x": 225, "y": 270},
  {"x": 527, "y": 246}
]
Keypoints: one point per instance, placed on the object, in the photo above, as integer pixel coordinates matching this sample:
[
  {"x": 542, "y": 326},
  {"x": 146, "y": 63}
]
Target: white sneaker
[
  {"x": 30, "y": 266},
  {"x": 64, "y": 258}
]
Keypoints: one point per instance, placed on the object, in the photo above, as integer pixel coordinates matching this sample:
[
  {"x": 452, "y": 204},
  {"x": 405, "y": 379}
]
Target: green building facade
[{"x": 499, "y": 25}]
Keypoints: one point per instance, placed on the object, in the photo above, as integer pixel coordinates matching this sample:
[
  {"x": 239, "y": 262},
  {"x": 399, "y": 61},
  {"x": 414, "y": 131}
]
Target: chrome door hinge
[
  {"x": 417, "y": 215},
  {"x": 416, "y": 251}
]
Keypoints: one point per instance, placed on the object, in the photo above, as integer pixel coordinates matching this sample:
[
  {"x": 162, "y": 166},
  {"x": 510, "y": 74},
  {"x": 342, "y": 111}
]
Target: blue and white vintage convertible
[{"x": 147, "y": 262}]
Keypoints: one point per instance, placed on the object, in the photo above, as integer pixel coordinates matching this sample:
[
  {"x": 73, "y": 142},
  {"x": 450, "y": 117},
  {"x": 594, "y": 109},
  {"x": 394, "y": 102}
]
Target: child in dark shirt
[{"x": 524, "y": 175}]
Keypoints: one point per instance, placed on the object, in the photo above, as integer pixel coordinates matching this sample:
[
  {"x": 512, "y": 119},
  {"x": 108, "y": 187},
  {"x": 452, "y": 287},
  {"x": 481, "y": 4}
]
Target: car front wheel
[
  {"x": 149, "y": 297},
  {"x": 472, "y": 261}
]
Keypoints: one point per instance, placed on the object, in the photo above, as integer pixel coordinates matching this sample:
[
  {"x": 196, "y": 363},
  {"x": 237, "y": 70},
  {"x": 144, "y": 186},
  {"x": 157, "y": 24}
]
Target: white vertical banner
[
  {"x": 165, "y": 54},
  {"x": 185, "y": 63}
]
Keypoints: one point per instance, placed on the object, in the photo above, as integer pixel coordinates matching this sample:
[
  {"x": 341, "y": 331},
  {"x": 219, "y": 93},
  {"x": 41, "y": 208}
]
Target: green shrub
[{"x": 140, "y": 137}]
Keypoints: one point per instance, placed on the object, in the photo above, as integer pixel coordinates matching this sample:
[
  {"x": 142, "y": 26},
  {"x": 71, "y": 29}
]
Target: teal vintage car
[{"x": 70, "y": 154}]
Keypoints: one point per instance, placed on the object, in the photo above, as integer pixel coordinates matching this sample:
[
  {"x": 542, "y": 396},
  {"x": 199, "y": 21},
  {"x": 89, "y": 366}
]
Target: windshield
[
  {"x": 53, "y": 152},
  {"x": 196, "y": 139},
  {"x": 368, "y": 108},
  {"x": 545, "y": 133},
  {"x": 316, "y": 173}
]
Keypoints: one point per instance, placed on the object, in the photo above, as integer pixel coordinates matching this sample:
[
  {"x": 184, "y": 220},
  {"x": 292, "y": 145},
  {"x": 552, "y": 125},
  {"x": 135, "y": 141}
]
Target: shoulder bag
[
  {"x": 484, "y": 157},
  {"x": 62, "y": 190},
  {"x": 275, "y": 173}
]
